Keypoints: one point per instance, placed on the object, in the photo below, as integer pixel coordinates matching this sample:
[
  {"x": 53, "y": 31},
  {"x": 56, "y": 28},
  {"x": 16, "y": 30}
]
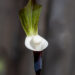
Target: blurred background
[{"x": 56, "y": 24}]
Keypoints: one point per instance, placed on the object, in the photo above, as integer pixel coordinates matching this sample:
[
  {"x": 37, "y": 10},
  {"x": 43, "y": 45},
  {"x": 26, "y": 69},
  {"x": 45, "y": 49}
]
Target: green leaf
[
  {"x": 2, "y": 65},
  {"x": 29, "y": 17}
]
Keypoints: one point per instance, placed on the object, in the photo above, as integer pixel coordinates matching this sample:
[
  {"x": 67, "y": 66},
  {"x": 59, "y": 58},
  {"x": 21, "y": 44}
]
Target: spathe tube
[{"x": 37, "y": 44}]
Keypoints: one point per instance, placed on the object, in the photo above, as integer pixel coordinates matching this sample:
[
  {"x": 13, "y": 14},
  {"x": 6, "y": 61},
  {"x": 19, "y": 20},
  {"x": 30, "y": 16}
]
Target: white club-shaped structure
[{"x": 36, "y": 43}]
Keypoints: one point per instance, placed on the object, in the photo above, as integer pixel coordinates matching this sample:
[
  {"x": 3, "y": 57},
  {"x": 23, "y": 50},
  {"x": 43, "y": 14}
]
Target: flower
[
  {"x": 36, "y": 43},
  {"x": 29, "y": 17}
]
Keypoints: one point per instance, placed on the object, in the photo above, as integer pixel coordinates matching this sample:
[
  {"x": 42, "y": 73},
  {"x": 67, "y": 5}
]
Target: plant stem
[{"x": 37, "y": 62}]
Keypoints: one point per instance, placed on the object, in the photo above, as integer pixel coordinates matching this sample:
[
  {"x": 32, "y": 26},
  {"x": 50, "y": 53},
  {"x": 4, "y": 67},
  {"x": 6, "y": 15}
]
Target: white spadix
[{"x": 36, "y": 43}]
